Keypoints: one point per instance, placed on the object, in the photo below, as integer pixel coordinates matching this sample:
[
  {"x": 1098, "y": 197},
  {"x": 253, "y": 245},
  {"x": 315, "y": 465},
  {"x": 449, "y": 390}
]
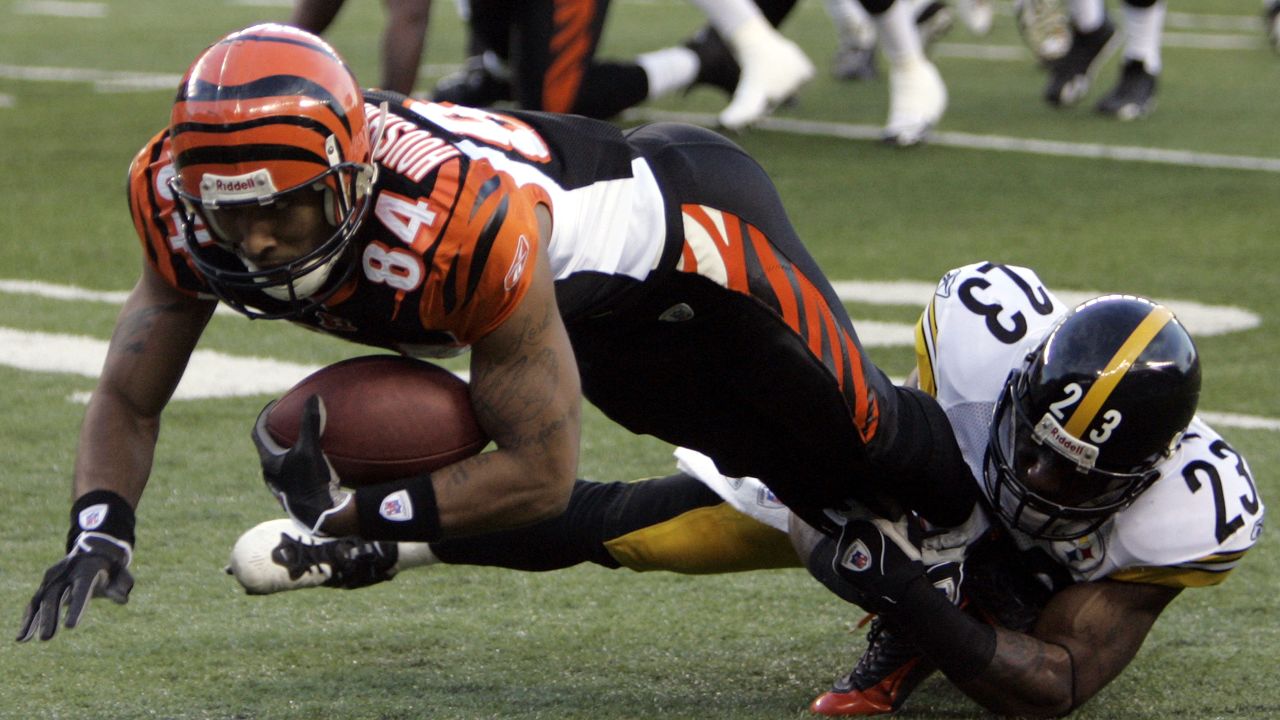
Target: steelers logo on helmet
[
  {"x": 1082, "y": 425},
  {"x": 264, "y": 117}
]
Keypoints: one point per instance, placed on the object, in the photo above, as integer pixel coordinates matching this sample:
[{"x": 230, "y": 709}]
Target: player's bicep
[
  {"x": 1103, "y": 624},
  {"x": 154, "y": 336}
]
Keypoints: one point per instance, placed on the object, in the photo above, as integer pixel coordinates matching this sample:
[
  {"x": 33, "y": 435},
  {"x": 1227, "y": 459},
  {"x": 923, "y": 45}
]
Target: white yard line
[{"x": 61, "y": 8}]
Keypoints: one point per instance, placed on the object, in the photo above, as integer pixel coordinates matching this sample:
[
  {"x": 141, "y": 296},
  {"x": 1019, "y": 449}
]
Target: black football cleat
[
  {"x": 475, "y": 84},
  {"x": 1134, "y": 96},
  {"x": 882, "y": 680},
  {"x": 1071, "y": 75},
  {"x": 716, "y": 65}
]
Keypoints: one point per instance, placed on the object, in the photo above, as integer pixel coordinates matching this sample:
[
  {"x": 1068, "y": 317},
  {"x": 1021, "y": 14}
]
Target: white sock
[
  {"x": 728, "y": 16},
  {"x": 414, "y": 554},
  {"x": 1088, "y": 15},
  {"x": 1142, "y": 27},
  {"x": 852, "y": 21},
  {"x": 668, "y": 69},
  {"x": 899, "y": 38}
]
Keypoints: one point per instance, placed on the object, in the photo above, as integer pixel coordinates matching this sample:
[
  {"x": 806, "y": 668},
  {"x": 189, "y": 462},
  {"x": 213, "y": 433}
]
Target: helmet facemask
[
  {"x": 303, "y": 283},
  {"x": 1085, "y": 496}
]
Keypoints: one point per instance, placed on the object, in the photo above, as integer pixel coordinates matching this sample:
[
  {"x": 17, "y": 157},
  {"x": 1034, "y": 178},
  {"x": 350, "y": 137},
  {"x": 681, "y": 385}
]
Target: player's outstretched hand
[
  {"x": 300, "y": 477},
  {"x": 97, "y": 566}
]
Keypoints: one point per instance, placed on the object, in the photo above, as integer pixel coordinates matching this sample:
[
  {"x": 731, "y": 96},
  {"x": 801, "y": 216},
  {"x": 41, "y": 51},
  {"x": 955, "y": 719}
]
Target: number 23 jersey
[{"x": 1189, "y": 529}]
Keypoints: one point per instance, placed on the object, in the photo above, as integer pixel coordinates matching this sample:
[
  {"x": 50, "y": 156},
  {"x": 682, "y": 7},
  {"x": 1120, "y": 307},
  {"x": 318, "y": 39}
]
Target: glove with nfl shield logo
[
  {"x": 99, "y": 550},
  {"x": 876, "y": 558}
]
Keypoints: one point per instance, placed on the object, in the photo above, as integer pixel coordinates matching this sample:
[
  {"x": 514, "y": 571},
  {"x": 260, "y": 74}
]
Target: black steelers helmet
[{"x": 1081, "y": 426}]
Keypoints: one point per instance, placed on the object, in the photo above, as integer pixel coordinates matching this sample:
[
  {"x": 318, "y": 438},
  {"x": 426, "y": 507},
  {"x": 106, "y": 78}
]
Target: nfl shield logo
[
  {"x": 857, "y": 558},
  {"x": 92, "y": 517},
  {"x": 396, "y": 506}
]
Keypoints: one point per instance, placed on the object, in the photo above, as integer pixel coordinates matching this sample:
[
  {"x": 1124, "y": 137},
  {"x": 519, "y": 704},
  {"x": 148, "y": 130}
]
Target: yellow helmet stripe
[{"x": 1119, "y": 364}]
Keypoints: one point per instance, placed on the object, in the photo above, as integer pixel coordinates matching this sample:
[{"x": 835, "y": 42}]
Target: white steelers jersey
[{"x": 1189, "y": 529}]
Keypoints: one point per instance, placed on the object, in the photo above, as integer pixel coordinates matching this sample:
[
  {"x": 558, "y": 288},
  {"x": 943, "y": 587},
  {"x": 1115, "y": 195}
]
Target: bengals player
[{"x": 654, "y": 273}]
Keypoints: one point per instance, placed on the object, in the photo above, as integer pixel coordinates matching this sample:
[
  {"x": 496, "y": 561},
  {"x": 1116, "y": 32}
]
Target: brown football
[{"x": 387, "y": 417}]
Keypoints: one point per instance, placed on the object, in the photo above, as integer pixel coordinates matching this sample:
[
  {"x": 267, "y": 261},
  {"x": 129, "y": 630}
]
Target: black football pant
[{"x": 739, "y": 348}]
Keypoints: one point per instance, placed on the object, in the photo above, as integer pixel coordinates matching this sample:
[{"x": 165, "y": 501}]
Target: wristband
[
  {"x": 103, "y": 512},
  {"x": 402, "y": 510},
  {"x": 961, "y": 646}
]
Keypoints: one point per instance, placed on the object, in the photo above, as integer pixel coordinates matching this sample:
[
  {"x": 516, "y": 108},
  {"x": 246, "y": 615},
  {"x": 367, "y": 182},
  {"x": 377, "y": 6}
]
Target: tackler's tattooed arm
[{"x": 1086, "y": 635}]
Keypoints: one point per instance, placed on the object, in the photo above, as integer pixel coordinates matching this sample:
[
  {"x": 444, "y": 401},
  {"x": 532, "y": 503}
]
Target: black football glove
[
  {"x": 96, "y": 566},
  {"x": 300, "y": 477},
  {"x": 877, "y": 560}
]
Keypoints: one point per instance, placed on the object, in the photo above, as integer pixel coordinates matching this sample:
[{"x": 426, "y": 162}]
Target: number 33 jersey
[
  {"x": 447, "y": 250},
  {"x": 1188, "y": 529}
]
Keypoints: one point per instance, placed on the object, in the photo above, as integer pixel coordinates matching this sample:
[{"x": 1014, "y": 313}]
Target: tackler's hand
[
  {"x": 876, "y": 557},
  {"x": 301, "y": 477}
]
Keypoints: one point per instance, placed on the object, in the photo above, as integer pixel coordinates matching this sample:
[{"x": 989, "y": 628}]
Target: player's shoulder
[
  {"x": 980, "y": 322},
  {"x": 151, "y": 169},
  {"x": 1196, "y": 522}
]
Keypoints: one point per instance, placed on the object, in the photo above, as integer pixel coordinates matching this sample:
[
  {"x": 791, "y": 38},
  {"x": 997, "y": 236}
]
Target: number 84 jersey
[{"x": 1189, "y": 529}]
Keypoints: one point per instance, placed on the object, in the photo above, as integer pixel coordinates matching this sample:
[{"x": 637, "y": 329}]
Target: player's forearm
[
  {"x": 116, "y": 448},
  {"x": 1008, "y": 672},
  {"x": 1027, "y": 677}
]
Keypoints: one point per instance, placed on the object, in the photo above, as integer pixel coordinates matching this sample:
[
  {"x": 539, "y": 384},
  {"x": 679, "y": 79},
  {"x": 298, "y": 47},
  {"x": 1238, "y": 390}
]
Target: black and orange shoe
[{"x": 886, "y": 674}]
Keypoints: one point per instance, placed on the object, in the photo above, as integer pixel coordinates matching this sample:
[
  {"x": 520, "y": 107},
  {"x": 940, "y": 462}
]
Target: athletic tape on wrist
[
  {"x": 399, "y": 510},
  {"x": 103, "y": 512}
]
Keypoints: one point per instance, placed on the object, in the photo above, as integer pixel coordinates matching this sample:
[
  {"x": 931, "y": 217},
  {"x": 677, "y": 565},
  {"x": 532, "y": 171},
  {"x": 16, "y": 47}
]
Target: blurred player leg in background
[
  {"x": 777, "y": 68},
  {"x": 773, "y": 68},
  {"x": 1045, "y": 27},
  {"x": 1134, "y": 96},
  {"x": 855, "y": 57},
  {"x": 1092, "y": 42},
  {"x": 977, "y": 15},
  {"x": 1271, "y": 19},
  {"x": 403, "y": 36},
  {"x": 917, "y": 95}
]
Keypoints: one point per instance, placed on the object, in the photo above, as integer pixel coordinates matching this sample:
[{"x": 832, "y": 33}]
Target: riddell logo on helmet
[
  {"x": 224, "y": 188},
  {"x": 1076, "y": 450}
]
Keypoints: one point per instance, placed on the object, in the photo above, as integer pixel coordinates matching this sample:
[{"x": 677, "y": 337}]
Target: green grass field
[{"x": 80, "y": 94}]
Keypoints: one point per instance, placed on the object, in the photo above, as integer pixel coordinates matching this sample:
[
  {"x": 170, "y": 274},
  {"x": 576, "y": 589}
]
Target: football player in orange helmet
[{"x": 653, "y": 272}]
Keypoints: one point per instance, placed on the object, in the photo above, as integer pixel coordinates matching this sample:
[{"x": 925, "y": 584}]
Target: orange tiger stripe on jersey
[
  {"x": 152, "y": 210},
  {"x": 492, "y": 232},
  {"x": 729, "y": 248},
  {"x": 444, "y": 193},
  {"x": 688, "y": 261},
  {"x": 570, "y": 54},
  {"x": 796, "y": 299},
  {"x": 773, "y": 271}
]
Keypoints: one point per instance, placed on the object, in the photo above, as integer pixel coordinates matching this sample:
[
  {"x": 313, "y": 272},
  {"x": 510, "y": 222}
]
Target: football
[{"x": 387, "y": 417}]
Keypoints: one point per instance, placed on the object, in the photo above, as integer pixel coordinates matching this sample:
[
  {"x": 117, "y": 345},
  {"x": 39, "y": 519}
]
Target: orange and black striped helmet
[
  {"x": 264, "y": 112},
  {"x": 1082, "y": 426}
]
